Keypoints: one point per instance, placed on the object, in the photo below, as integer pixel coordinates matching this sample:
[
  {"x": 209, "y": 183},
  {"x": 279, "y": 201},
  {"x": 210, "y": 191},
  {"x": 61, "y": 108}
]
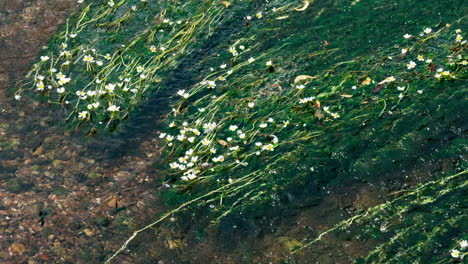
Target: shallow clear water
[{"x": 72, "y": 198}]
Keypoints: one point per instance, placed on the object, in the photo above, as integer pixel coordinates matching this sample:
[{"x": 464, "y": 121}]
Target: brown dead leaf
[
  {"x": 226, "y": 4},
  {"x": 319, "y": 114},
  {"x": 317, "y": 104},
  {"x": 346, "y": 95},
  {"x": 222, "y": 142},
  {"x": 367, "y": 81}
]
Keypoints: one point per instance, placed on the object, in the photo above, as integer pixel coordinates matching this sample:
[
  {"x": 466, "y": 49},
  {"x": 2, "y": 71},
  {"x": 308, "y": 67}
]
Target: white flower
[
  {"x": 60, "y": 90},
  {"x": 269, "y": 63},
  {"x": 82, "y": 114},
  {"x": 17, "y": 97},
  {"x": 428, "y": 61},
  {"x": 268, "y": 147},
  {"x": 263, "y": 125},
  {"x": 241, "y": 135},
  {"x": 258, "y": 144},
  {"x": 81, "y": 94},
  {"x": 458, "y": 38},
  {"x": 407, "y": 36},
  {"x": 40, "y": 86},
  {"x": 96, "y": 104},
  {"x": 223, "y": 66},
  {"x": 420, "y": 91},
  {"x": 427, "y": 30},
  {"x": 191, "y": 139},
  {"x": 400, "y": 88},
  {"x": 110, "y": 87},
  {"x": 139, "y": 69},
  {"x": 162, "y": 135},
  {"x": 251, "y": 104},
  {"x": 242, "y": 47},
  {"x": 174, "y": 165},
  {"x": 259, "y": 15},
  {"x": 180, "y": 137},
  {"x": 275, "y": 139},
  {"x": 411, "y": 65},
  {"x": 463, "y": 244},
  {"x": 88, "y": 58},
  {"x": 113, "y": 108},
  {"x": 107, "y": 56},
  {"x": 208, "y": 127},
  {"x": 458, "y": 31},
  {"x": 63, "y": 81},
  {"x": 420, "y": 58},
  {"x": 248, "y": 17},
  {"x": 45, "y": 58},
  {"x": 455, "y": 253},
  {"x": 234, "y": 148},
  {"x": 99, "y": 63},
  {"x": 218, "y": 159},
  {"x": 111, "y": 3},
  {"x": 201, "y": 110},
  {"x": 232, "y": 50},
  {"x": 206, "y": 142},
  {"x": 251, "y": 59},
  {"x": 233, "y": 127},
  {"x": 404, "y": 51},
  {"x": 211, "y": 84},
  {"x": 335, "y": 115},
  {"x": 300, "y": 87},
  {"x": 169, "y": 138},
  {"x": 183, "y": 94},
  {"x": 172, "y": 124}
]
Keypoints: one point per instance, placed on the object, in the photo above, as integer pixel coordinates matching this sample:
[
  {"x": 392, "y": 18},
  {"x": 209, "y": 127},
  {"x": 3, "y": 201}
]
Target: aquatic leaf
[
  {"x": 304, "y": 7},
  {"x": 282, "y": 17},
  {"x": 302, "y": 77}
]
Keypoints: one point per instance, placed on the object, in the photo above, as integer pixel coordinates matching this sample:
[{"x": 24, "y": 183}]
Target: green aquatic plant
[
  {"x": 408, "y": 230},
  {"x": 277, "y": 93}
]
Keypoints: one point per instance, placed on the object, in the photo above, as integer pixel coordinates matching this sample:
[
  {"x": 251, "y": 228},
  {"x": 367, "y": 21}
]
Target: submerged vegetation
[{"x": 278, "y": 95}]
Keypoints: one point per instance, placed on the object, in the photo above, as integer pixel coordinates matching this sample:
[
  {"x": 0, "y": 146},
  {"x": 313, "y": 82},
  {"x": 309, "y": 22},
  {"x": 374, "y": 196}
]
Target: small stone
[
  {"x": 38, "y": 151},
  {"x": 88, "y": 232},
  {"x": 112, "y": 202},
  {"x": 57, "y": 163},
  {"x": 17, "y": 248}
]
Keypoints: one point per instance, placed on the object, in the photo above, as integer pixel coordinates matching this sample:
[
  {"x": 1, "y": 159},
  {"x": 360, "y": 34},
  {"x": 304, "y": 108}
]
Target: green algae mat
[{"x": 267, "y": 97}]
